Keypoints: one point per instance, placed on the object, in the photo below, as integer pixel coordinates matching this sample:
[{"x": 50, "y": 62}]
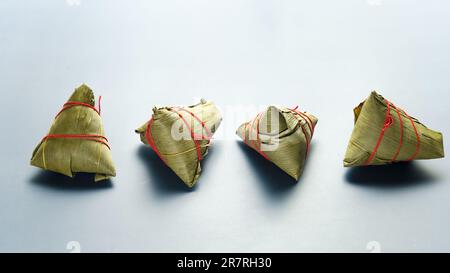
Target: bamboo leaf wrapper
[
  {"x": 76, "y": 140},
  {"x": 384, "y": 133},
  {"x": 181, "y": 136},
  {"x": 281, "y": 135}
]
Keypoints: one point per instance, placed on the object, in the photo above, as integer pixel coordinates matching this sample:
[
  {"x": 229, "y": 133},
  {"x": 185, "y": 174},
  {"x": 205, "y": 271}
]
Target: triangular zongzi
[
  {"x": 384, "y": 133},
  {"x": 281, "y": 135},
  {"x": 181, "y": 136},
  {"x": 76, "y": 141}
]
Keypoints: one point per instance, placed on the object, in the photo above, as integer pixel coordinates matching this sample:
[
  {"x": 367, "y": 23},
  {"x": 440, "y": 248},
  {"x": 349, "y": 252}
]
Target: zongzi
[
  {"x": 282, "y": 136},
  {"x": 384, "y": 133},
  {"x": 76, "y": 141},
  {"x": 181, "y": 136}
]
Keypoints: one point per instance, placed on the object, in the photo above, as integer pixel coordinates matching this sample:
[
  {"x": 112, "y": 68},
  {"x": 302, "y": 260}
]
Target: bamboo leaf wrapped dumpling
[
  {"x": 384, "y": 133},
  {"x": 282, "y": 136},
  {"x": 181, "y": 136},
  {"x": 76, "y": 141}
]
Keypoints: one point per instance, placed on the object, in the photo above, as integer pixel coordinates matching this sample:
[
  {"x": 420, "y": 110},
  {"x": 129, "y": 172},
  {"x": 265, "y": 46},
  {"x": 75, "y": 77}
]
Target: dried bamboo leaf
[
  {"x": 170, "y": 135},
  {"x": 69, "y": 147},
  {"x": 282, "y": 136},
  {"x": 384, "y": 133}
]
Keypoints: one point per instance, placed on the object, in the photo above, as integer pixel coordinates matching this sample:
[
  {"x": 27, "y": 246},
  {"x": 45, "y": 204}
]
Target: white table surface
[{"x": 325, "y": 56}]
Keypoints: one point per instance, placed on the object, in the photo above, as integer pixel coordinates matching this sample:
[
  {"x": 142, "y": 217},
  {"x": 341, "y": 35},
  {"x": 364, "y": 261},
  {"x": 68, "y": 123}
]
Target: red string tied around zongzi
[
  {"x": 195, "y": 137},
  {"x": 93, "y": 137},
  {"x": 388, "y": 122},
  {"x": 310, "y": 124},
  {"x": 257, "y": 146}
]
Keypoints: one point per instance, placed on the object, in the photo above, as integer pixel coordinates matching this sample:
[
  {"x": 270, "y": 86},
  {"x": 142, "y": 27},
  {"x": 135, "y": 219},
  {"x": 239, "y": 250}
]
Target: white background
[{"x": 325, "y": 56}]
